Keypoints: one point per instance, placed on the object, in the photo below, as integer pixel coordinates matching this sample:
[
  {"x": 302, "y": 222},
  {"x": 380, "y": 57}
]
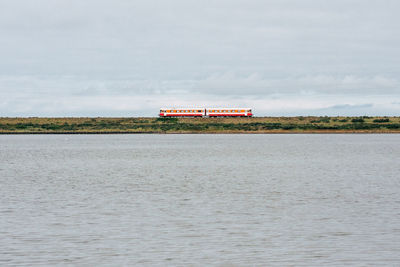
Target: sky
[{"x": 131, "y": 57}]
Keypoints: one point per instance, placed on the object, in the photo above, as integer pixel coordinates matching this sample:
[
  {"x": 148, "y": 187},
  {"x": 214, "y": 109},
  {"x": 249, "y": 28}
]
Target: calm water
[{"x": 220, "y": 200}]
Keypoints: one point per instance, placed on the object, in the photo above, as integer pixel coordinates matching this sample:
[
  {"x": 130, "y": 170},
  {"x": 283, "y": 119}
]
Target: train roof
[
  {"x": 182, "y": 108},
  {"x": 204, "y": 108},
  {"x": 228, "y": 108}
]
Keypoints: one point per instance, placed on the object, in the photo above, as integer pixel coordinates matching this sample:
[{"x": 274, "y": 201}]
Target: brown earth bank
[{"x": 151, "y": 125}]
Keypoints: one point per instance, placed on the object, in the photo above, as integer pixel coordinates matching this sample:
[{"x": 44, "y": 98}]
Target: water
[{"x": 220, "y": 200}]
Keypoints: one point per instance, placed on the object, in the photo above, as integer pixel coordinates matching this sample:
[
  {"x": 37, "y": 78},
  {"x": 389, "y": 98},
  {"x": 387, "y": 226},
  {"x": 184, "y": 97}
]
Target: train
[{"x": 206, "y": 112}]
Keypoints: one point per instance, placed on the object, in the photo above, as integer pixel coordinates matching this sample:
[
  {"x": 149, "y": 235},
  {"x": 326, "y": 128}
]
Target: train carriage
[
  {"x": 182, "y": 112},
  {"x": 229, "y": 112}
]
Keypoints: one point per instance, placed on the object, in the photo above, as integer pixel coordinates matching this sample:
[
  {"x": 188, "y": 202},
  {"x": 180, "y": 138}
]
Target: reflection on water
[{"x": 200, "y": 199}]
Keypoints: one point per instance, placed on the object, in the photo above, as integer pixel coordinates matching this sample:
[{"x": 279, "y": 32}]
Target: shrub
[
  {"x": 381, "y": 120},
  {"x": 321, "y": 119},
  {"x": 357, "y": 120}
]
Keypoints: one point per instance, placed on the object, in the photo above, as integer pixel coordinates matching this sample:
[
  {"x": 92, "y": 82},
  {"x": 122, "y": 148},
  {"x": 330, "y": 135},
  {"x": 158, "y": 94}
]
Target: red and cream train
[{"x": 205, "y": 112}]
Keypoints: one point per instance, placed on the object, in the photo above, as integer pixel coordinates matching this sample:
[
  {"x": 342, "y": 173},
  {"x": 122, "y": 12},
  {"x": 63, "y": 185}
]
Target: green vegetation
[
  {"x": 202, "y": 125},
  {"x": 357, "y": 120},
  {"x": 381, "y": 120}
]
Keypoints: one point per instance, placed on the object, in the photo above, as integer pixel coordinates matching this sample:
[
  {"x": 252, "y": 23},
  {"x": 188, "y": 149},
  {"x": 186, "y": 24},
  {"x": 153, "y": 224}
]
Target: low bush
[
  {"x": 381, "y": 120},
  {"x": 357, "y": 120}
]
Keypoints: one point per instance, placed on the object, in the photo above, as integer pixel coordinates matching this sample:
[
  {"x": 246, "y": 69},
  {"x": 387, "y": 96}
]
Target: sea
[{"x": 200, "y": 200}]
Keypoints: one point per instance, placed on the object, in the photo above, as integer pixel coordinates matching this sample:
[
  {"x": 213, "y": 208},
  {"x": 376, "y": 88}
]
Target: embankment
[{"x": 132, "y": 125}]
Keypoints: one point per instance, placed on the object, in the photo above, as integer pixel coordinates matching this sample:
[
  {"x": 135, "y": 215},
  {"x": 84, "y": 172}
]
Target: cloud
[
  {"x": 182, "y": 51},
  {"x": 216, "y": 84},
  {"x": 348, "y": 106}
]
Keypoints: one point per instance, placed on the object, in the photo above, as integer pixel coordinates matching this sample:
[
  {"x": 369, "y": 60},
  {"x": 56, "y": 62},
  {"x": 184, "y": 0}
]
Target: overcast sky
[{"x": 131, "y": 57}]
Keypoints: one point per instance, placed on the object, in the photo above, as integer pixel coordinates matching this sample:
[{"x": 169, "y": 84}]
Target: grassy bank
[{"x": 202, "y": 125}]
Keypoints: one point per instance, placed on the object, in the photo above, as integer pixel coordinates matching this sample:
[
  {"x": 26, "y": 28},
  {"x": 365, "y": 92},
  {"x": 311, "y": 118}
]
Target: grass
[{"x": 202, "y": 125}]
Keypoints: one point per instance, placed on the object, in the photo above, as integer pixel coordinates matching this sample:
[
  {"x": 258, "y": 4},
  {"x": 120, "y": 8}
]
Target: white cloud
[{"x": 180, "y": 51}]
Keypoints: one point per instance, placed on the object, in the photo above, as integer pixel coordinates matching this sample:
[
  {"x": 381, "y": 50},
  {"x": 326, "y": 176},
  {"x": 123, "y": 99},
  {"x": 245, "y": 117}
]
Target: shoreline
[
  {"x": 226, "y": 125},
  {"x": 228, "y": 133}
]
